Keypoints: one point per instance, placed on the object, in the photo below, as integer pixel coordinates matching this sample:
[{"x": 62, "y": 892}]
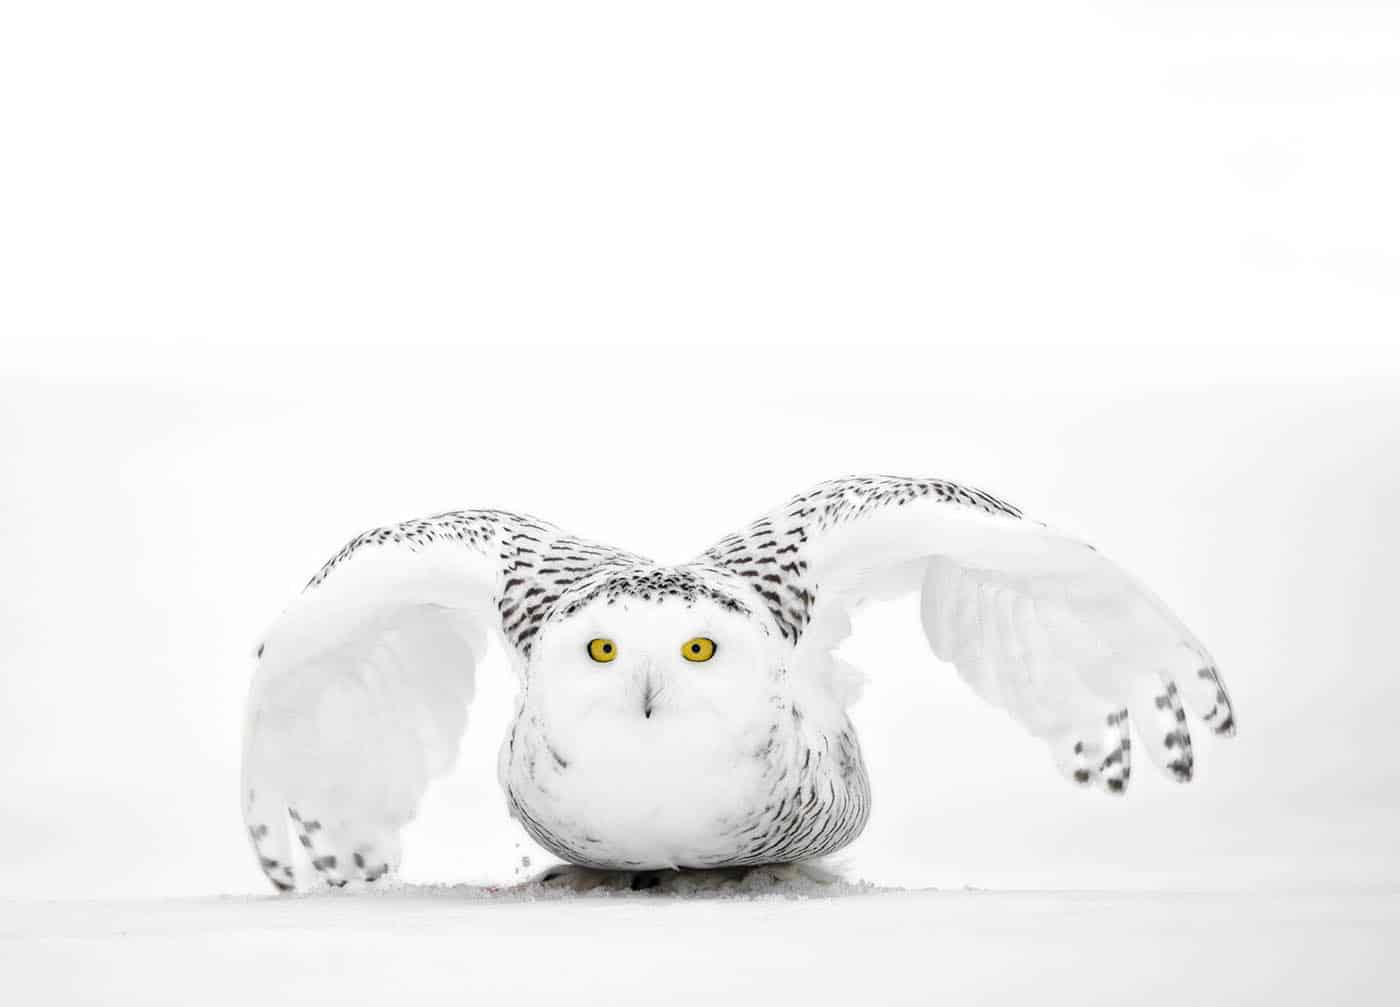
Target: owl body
[
  {"x": 689, "y": 716},
  {"x": 651, "y": 760}
]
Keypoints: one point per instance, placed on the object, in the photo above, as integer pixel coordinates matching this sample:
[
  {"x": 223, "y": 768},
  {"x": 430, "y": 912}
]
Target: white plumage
[{"x": 644, "y": 756}]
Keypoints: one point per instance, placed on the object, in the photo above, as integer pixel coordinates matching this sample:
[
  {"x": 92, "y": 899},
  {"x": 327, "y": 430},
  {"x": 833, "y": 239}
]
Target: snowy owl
[{"x": 688, "y": 716}]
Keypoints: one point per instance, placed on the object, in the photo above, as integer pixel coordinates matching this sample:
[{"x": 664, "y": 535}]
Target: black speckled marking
[
  {"x": 770, "y": 553},
  {"x": 545, "y": 573}
]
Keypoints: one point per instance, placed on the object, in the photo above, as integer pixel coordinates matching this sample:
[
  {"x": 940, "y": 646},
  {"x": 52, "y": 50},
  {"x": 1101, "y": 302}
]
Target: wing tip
[
  {"x": 1181, "y": 771},
  {"x": 1220, "y": 718},
  {"x": 1109, "y": 763}
]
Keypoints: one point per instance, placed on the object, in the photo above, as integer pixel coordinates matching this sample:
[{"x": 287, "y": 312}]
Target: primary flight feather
[{"x": 690, "y": 715}]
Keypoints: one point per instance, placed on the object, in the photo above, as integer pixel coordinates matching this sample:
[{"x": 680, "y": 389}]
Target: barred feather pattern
[{"x": 769, "y": 553}]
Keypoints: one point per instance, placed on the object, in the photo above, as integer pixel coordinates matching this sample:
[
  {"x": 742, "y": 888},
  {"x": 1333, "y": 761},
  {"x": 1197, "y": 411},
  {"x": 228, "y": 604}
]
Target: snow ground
[{"x": 850, "y": 944}]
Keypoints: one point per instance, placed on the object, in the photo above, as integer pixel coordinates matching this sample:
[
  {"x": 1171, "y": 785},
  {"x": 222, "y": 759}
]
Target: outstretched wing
[
  {"x": 1037, "y": 622},
  {"x": 362, "y": 685}
]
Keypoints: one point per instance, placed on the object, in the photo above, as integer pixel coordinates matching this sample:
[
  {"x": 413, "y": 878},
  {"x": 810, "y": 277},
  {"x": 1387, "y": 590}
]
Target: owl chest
[{"x": 789, "y": 789}]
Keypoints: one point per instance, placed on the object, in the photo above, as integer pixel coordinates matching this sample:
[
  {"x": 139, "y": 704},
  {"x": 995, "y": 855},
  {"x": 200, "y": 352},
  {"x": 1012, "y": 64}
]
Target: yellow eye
[
  {"x": 602, "y": 650},
  {"x": 698, "y": 648}
]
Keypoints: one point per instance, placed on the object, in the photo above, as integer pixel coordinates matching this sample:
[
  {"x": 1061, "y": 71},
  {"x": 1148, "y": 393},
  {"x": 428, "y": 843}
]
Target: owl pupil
[
  {"x": 607, "y": 648},
  {"x": 695, "y": 648}
]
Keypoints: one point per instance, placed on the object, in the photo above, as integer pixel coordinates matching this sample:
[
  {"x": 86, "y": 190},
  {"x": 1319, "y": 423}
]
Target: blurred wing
[
  {"x": 361, "y": 689},
  {"x": 1037, "y": 622}
]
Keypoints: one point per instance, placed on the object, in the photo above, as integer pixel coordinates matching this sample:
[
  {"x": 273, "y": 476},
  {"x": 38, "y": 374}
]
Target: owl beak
[{"x": 648, "y": 696}]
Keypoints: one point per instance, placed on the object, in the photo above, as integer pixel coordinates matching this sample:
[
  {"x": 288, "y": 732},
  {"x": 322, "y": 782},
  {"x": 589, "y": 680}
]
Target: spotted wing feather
[
  {"x": 360, "y": 694},
  {"x": 1035, "y": 621}
]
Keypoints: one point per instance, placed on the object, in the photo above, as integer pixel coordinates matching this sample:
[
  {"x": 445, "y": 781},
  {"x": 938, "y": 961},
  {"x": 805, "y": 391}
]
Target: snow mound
[
  {"x": 793, "y": 881},
  {"x": 565, "y": 881}
]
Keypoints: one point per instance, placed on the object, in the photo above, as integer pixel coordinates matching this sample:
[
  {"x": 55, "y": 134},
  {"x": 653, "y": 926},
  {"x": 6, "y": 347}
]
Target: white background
[{"x": 274, "y": 273}]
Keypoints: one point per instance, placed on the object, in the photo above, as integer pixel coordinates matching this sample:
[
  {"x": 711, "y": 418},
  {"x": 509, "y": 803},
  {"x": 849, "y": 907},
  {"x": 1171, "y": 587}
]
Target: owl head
[{"x": 650, "y": 650}]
